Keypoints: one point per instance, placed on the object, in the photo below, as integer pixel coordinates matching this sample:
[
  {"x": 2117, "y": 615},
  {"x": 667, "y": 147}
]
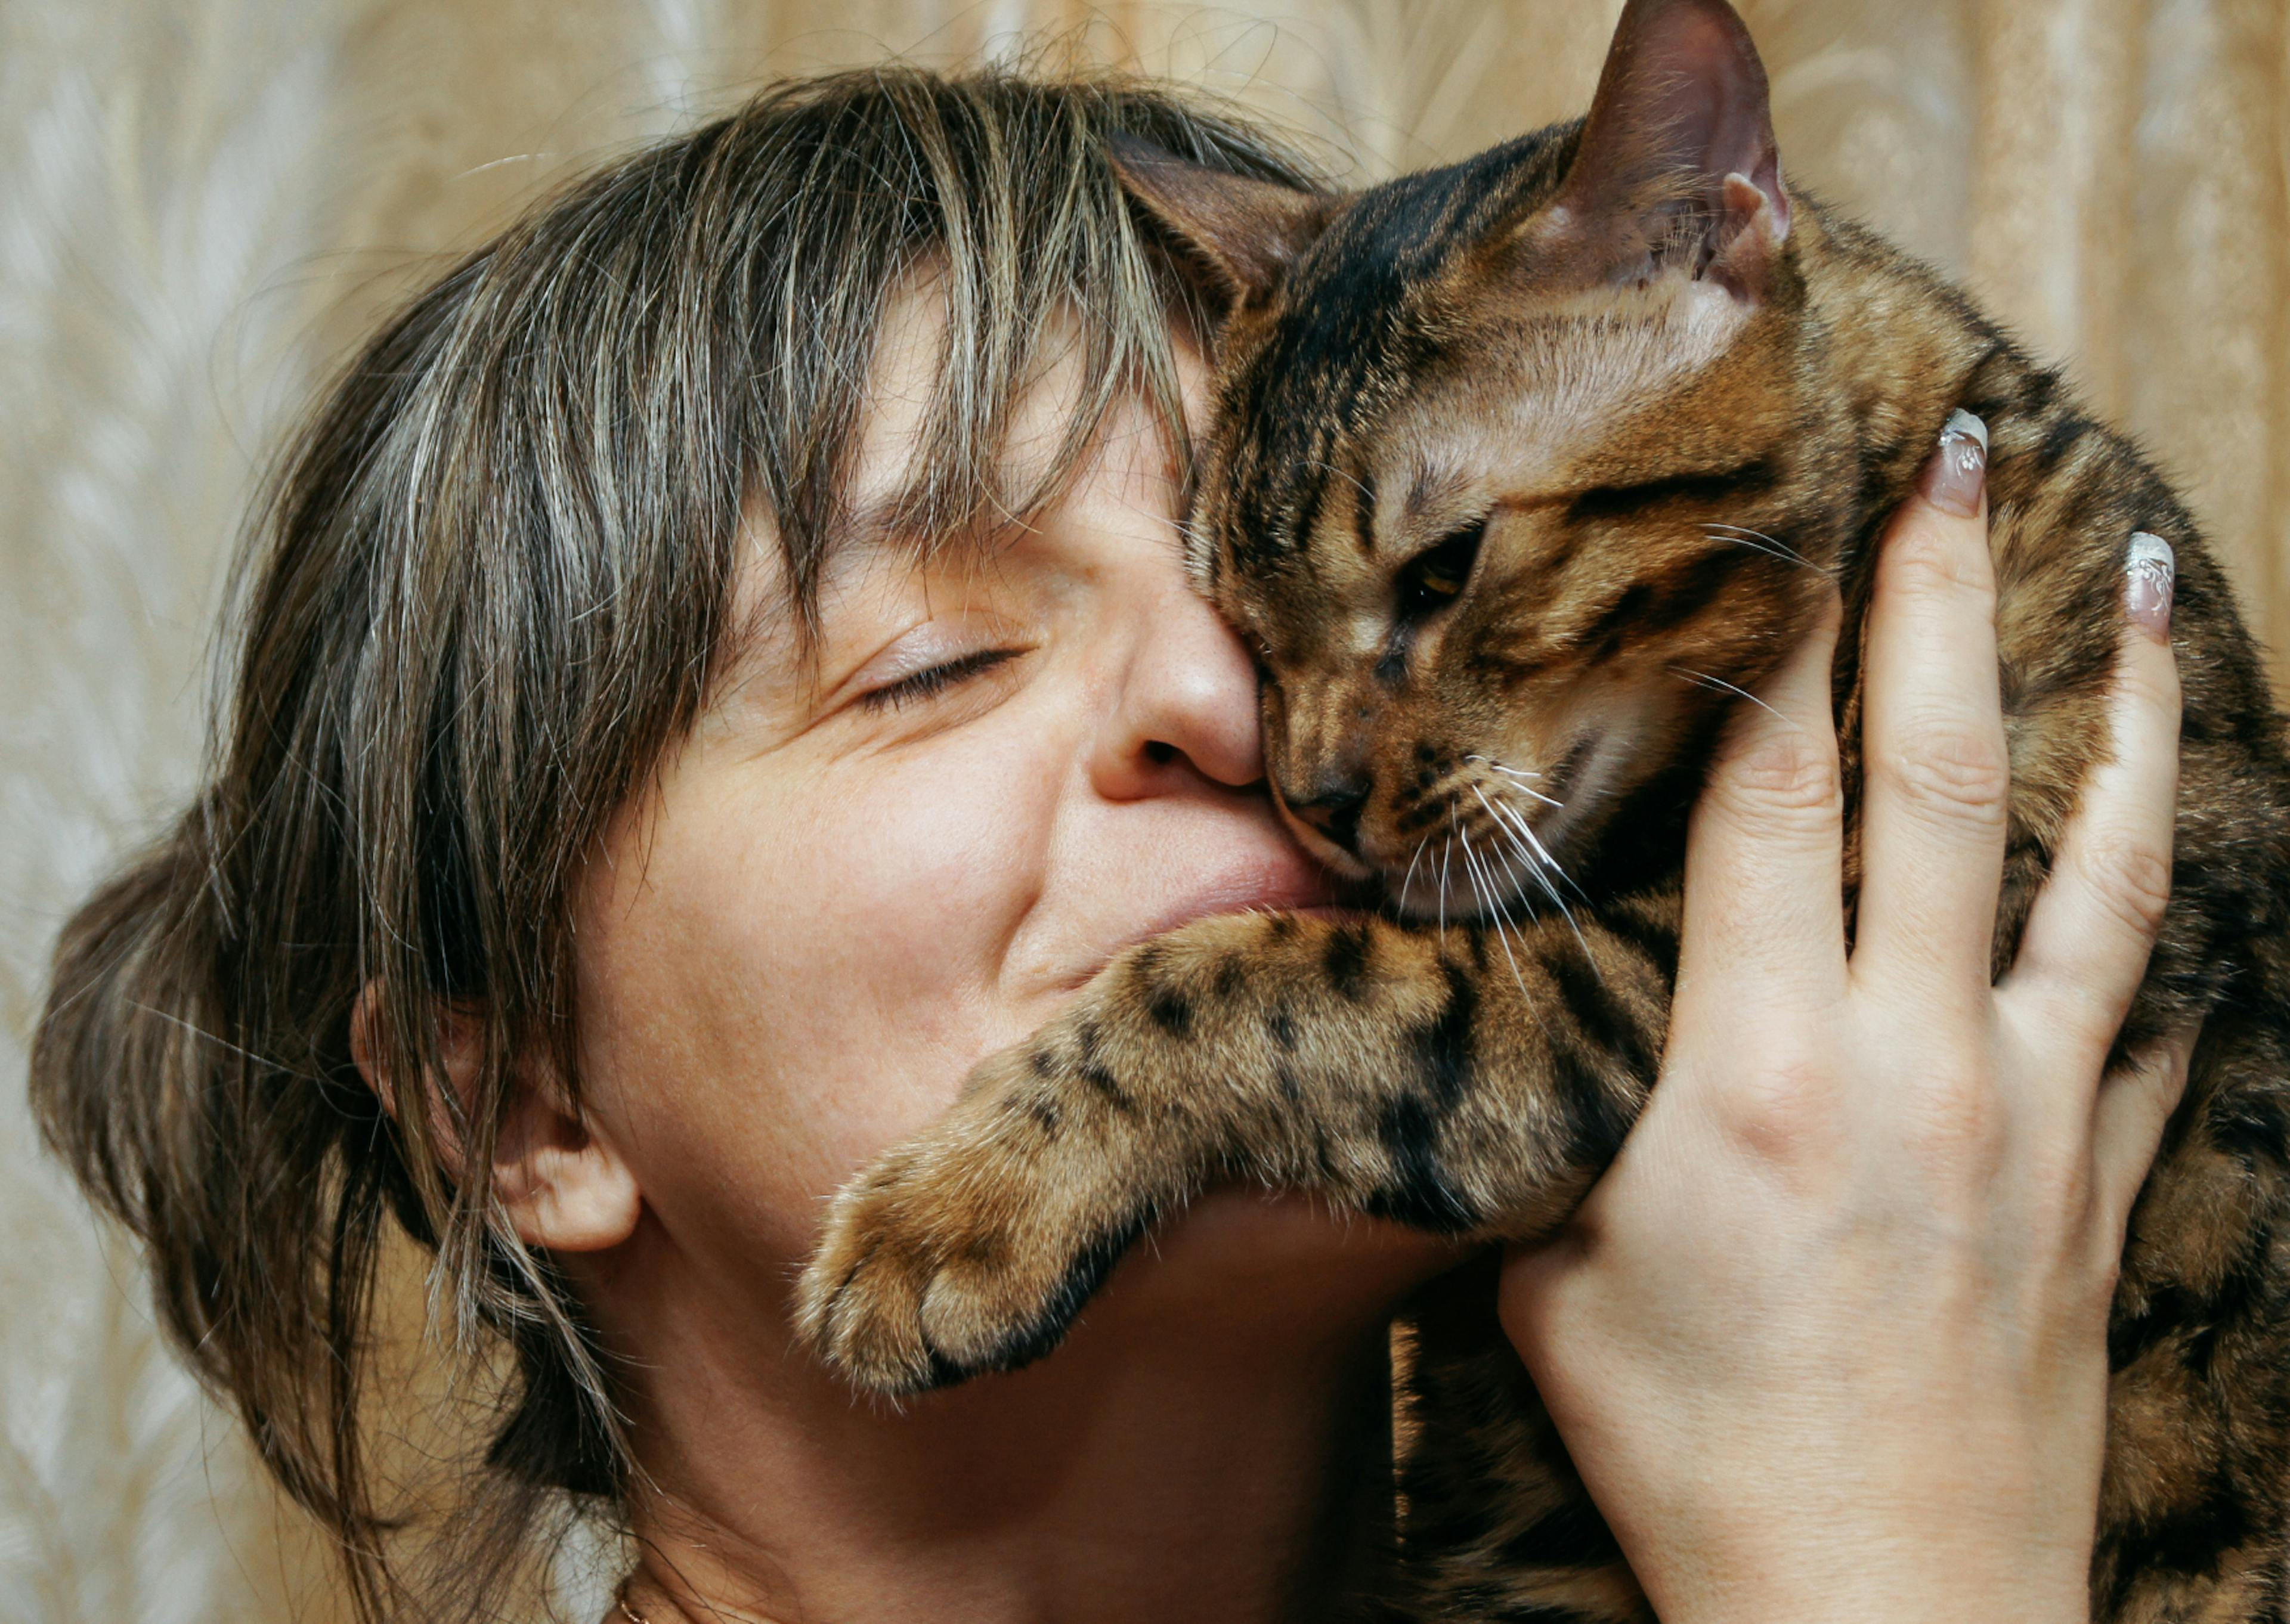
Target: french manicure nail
[
  {"x": 2150, "y": 570},
  {"x": 1958, "y": 474}
]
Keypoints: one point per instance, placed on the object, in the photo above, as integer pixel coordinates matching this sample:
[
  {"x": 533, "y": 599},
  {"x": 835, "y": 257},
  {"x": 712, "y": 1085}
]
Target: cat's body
[{"x": 1518, "y": 471}]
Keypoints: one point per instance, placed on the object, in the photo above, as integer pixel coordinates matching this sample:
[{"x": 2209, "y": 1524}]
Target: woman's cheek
[{"x": 880, "y": 941}]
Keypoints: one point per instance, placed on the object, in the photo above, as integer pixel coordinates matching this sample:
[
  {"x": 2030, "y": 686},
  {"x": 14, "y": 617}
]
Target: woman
[{"x": 719, "y": 665}]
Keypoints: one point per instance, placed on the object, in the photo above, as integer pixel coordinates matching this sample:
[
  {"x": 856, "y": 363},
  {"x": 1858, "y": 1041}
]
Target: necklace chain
[{"x": 627, "y": 1612}]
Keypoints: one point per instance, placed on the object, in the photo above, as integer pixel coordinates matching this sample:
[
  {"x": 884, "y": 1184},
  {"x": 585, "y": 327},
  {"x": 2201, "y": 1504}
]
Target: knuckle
[
  {"x": 2129, "y": 878},
  {"x": 2147, "y": 676},
  {"x": 1927, "y": 559},
  {"x": 1781, "y": 1107},
  {"x": 1953, "y": 768},
  {"x": 1784, "y": 770}
]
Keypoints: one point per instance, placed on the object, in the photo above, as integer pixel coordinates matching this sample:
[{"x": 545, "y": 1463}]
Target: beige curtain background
[{"x": 204, "y": 201}]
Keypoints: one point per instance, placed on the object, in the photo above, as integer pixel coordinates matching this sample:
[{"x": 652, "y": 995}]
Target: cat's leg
[
  {"x": 2194, "y": 1521},
  {"x": 1465, "y": 1081},
  {"x": 1494, "y": 1522}
]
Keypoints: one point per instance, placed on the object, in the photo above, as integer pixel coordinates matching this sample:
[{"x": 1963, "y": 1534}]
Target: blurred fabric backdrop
[{"x": 204, "y": 201}]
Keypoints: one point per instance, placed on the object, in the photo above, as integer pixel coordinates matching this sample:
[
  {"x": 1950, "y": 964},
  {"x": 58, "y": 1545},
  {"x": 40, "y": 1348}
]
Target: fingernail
[
  {"x": 2149, "y": 571},
  {"x": 1957, "y": 472}
]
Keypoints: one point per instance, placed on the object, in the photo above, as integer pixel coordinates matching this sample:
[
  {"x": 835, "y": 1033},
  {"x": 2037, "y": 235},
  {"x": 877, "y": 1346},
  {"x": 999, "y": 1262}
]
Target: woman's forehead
[{"x": 920, "y": 374}]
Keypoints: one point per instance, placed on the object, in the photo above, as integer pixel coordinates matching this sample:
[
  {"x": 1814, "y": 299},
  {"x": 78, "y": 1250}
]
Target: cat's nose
[{"x": 1334, "y": 808}]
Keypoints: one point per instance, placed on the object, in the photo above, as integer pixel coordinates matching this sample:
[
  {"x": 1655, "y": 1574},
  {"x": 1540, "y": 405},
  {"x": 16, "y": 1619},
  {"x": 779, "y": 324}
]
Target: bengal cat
[{"x": 1518, "y": 472}]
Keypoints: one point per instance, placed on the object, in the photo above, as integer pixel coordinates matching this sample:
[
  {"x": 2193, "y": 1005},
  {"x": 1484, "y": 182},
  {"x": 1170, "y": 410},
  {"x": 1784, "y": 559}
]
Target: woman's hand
[{"x": 1829, "y": 1338}]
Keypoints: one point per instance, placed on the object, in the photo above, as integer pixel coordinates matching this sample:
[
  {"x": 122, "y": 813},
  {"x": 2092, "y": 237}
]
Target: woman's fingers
[
  {"x": 2087, "y": 943},
  {"x": 1765, "y": 848},
  {"x": 2128, "y": 1125},
  {"x": 1936, "y": 768}
]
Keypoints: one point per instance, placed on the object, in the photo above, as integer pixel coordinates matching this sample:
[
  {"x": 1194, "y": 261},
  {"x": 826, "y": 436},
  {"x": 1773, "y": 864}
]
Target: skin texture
[{"x": 1520, "y": 472}]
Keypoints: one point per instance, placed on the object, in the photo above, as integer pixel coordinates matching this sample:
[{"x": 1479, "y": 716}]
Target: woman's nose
[{"x": 1188, "y": 699}]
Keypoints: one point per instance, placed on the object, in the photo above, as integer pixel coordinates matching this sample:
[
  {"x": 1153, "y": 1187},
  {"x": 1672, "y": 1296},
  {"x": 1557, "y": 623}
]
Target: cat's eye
[{"x": 1436, "y": 577}]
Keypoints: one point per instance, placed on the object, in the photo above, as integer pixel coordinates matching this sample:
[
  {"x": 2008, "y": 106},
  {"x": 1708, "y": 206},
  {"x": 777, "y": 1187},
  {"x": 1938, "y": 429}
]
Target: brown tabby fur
[{"x": 1492, "y": 339}]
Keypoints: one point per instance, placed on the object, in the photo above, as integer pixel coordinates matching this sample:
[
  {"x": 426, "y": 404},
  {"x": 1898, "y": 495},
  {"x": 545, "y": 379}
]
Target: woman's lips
[{"x": 1300, "y": 886}]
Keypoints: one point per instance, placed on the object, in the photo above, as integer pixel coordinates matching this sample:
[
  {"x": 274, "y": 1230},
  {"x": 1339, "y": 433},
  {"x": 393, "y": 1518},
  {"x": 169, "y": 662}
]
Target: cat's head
[{"x": 1489, "y": 460}]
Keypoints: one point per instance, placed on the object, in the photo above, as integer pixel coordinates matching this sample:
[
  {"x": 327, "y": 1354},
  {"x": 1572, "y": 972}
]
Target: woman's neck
[{"x": 1184, "y": 1456}]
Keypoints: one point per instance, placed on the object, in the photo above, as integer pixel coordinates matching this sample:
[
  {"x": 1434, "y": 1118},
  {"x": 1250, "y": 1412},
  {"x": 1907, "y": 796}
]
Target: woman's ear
[{"x": 564, "y": 1186}]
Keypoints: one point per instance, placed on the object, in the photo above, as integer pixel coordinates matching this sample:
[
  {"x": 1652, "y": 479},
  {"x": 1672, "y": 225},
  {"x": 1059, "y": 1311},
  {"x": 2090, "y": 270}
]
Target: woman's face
[{"x": 853, "y": 884}]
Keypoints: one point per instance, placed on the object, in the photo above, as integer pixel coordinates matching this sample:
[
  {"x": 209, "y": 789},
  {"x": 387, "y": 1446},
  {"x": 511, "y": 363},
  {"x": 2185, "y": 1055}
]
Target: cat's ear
[
  {"x": 1242, "y": 233},
  {"x": 1677, "y": 163}
]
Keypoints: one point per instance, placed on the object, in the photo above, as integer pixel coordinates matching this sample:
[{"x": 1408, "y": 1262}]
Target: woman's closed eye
[{"x": 932, "y": 680}]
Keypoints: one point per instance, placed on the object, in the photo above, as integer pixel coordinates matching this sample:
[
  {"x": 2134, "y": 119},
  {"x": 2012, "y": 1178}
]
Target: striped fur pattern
[{"x": 1520, "y": 471}]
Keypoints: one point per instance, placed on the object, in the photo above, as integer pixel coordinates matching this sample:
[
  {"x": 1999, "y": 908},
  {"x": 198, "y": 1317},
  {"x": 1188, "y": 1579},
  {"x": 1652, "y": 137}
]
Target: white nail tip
[
  {"x": 2150, "y": 551},
  {"x": 1962, "y": 422}
]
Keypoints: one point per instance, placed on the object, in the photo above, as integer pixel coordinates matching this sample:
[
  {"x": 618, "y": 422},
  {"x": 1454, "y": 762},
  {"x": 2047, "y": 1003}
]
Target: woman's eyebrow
[
  {"x": 774, "y": 626},
  {"x": 859, "y": 526},
  {"x": 773, "y": 629}
]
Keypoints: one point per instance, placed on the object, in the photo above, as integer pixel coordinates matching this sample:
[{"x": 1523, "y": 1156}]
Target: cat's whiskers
[
  {"x": 1703, "y": 679},
  {"x": 1513, "y": 820},
  {"x": 1518, "y": 861},
  {"x": 1536, "y": 863},
  {"x": 1447, "y": 851},
  {"x": 1408, "y": 884},
  {"x": 1471, "y": 867},
  {"x": 1505, "y": 815},
  {"x": 1349, "y": 478},
  {"x": 1518, "y": 776},
  {"x": 1493, "y": 905},
  {"x": 1759, "y": 541}
]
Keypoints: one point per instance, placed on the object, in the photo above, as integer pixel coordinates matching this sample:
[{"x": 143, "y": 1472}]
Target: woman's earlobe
[{"x": 564, "y": 1187}]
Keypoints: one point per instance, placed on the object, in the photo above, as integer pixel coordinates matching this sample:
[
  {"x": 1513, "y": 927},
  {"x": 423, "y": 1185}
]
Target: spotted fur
[{"x": 1520, "y": 471}]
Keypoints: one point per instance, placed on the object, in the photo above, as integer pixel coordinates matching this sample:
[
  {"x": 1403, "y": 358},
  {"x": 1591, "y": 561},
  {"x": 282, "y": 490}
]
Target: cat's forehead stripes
[
  {"x": 1381, "y": 342},
  {"x": 1568, "y": 377},
  {"x": 1546, "y": 399},
  {"x": 1352, "y": 327}
]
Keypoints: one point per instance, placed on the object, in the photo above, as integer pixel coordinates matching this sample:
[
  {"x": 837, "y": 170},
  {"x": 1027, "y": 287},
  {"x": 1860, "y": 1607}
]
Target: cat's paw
[{"x": 968, "y": 1249}]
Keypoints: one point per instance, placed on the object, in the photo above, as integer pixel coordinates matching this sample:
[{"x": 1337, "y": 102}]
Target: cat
[{"x": 1517, "y": 472}]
